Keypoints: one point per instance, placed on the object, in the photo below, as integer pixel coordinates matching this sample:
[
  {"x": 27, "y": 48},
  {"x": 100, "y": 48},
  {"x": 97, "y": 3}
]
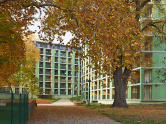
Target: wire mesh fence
[{"x": 13, "y": 108}]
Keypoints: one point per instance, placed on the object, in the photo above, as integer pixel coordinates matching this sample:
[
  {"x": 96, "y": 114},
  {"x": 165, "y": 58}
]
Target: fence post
[
  {"x": 27, "y": 108},
  {"x": 20, "y": 110},
  {"x": 24, "y": 108},
  {"x": 11, "y": 108}
]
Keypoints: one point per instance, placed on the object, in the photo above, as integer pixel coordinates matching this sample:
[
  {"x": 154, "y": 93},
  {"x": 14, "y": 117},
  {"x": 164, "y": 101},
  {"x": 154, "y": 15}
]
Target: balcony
[
  {"x": 41, "y": 59},
  {"x": 62, "y": 80},
  {"x": 95, "y": 87},
  {"x": 40, "y": 72},
  {"x": 69, "y": 80},
  {"x": 69, "y": 68},
  {"x": 56, "y": 80},
  {"x": 40, "y": 65},
  {"x": 48, "y": 66},
  {"x": 40, "y": 79},
  {"x": 56, "y": 66},
  {"x": 69, "y": 93},
  {"x": 63, "y": 74},
  {"x": 135, "y": 95},
  {"x": 56, "y": 86},
  {"x": 56, "y": 74},
  {"x": 63, "y": 93},
  {"x": 41, "y": 85},
  {"x": 69, "y": 75},
  {"x": 76, "y": 63},
  {"x": 41, "y": 52},
  {"x": 47, "y": 86},
  {"x": 62, "y": 67},
  {"x": 64, "y": 55},
  {"x": 104, "y": 97},
  {"x": 56, "y": 54},
  {"x": 69, "y": 56},
  {"x": 108, "y": 96},
  {"x": 56, "y": 92},
  {"x": 62, "y": 86},
  {"x": 48, "y": 53}
]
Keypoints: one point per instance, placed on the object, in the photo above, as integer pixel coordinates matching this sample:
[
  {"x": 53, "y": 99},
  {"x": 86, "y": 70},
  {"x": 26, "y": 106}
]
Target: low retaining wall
[
  {"x": 77, "y": 103},
  {"x": 43, "y": 101},
  {"x": 32, "y": 104}
]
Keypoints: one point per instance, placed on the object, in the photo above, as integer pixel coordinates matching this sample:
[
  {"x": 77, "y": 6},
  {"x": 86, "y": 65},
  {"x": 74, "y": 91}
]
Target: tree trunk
[{"x": 120, "y": 89}]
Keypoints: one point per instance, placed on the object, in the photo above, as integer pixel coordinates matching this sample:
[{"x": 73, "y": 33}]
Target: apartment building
[
  {"x": 148, "y": 84},
  {"x": 56, "y": 71}
]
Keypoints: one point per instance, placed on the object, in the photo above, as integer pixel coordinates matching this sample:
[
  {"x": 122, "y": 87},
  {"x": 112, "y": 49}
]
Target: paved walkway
[
  {"x": 61, "y": 102},
  {"x": 67, "y": 115},
  {"x": 64, "y": 112}
]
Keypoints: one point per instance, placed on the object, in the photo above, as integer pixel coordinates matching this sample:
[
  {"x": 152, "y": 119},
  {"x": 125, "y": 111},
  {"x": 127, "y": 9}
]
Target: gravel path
[{"x": 68, "y": 115}]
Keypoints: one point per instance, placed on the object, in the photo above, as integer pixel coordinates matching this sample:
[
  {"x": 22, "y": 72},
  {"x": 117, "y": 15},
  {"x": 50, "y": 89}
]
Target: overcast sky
[{"x": 67, "y": 37}]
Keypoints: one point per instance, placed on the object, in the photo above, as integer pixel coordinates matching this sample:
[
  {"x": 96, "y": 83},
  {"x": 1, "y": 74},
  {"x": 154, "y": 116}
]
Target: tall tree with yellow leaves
[
  {"x": 26, "y": 74},
  {"x": 110, "y": 28}
]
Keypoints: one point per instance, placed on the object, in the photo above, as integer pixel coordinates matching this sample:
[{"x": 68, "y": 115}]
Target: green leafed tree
[{"x": 26, "y": 72}]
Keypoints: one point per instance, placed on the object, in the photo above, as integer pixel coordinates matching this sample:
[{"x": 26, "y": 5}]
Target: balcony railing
[
  {"x": 135, "y": 96},
  {"x": 48, "y": 66},
  {"x": 47, "y": 86},
  {"x": 56, "y": 67},
  {"x": 69, "y": 68},
  {"x": 55, "y": 92},
  {"x": 56, "y": 54},
  {"x": 56, "y": 80},
  {"x": 104, "y": 97},
  {"x": 69, "y": 93},
  {"x": 76, "y": 62},
  {"x": 95, "y": 97},
  {"x": 41, "y": 85},
  {"x": 41, "y": 59},
  {"x": 95, "y": 87},
  {"x": 41, "y": 52},
  {"x": 63, "y": 55},
  {"x": 63, "y": 67},
  {"x": 40, "y": 72},
  {"x": 40, "y": 65},
  {"x": 62, "y": 80},
  {"x": 62, "y": 86},
  {"x": 63, "y": 74},
  {"x": 63, "y": 93},
  {"x": 40, "y": 79},
  {"x": 108, "y": 96},
  {"x": 55, "y": 86},
  {"x": 69, "y": 56},
  {"x": 69, "y": 75},
  {"x": 48, "y": 53},
  {"x": 48, "y": 73}
]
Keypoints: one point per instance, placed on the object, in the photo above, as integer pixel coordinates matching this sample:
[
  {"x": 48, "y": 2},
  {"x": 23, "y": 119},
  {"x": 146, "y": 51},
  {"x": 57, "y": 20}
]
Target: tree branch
[
  {"x": 4, "y": 1},
  {"x": 42, "y": 5},
  {"x": 144, "y": 3}
]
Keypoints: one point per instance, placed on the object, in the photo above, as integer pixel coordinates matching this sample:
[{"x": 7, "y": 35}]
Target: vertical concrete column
[{"x": 141, "y": 81}]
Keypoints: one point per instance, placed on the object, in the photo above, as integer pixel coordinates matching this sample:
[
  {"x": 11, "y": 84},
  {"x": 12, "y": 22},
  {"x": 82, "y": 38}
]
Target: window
[
  {"x": 148, "y": 76},
  {"x": 147, "y": 92}
]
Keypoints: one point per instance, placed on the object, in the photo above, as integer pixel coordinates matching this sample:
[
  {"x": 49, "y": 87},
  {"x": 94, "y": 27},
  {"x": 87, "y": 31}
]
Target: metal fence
[{"x": 13, "y": 108}]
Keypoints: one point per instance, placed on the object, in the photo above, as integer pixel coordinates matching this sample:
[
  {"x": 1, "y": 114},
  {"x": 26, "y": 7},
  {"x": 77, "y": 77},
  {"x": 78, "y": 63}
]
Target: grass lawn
[
  {"x": 134, "y": 114},
  {"x": 74, "y": 99}
]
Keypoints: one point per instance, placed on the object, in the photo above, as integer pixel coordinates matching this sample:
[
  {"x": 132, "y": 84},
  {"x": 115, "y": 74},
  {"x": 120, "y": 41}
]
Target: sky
[{"x": 66, "y": 38}]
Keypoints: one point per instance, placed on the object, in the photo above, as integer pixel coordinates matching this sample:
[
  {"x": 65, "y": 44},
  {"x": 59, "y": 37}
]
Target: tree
[
  {"x": 111, "y": 28},
  {"x": 14, "y": 20},
  {"x": 25, "y": 75}
]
